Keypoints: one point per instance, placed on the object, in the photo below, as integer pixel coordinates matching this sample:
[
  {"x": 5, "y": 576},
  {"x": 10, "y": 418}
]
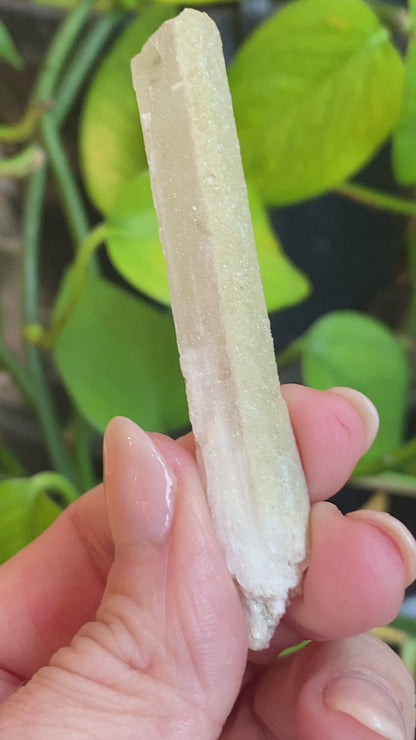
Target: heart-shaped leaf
[
  {"x": 26, "y": 510},
  {"x": 404, "y": 137},
  {"x": 8, "y": 51},
  {"x": 198, "y": 2},
  {"x": 316, "y": 90},
  {"x": 112, "y": 150},
  {"x": 135, "y": 250},
  {"x": 117, "y": 355},
  {"x": 347, "y": 348}
]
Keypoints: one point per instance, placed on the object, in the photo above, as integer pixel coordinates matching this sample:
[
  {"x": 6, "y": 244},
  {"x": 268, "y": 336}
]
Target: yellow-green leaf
[
  {"x": 112, "y": 150},
  {"x": 135, "y": 250},
  {"x": 26, "y": 509},
  {"x": 316, "y": 90},
  {"x": 117, "y": 355},
  {"x": 8, "y": 51},
  {"x": 404, "y": 138},
  {"x": 347, "y": 348}
]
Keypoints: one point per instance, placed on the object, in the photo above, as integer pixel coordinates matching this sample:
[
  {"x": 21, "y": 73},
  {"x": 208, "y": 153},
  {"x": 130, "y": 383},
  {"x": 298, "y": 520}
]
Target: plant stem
[
  {"x": 83, "y": 435},
  {"x": 376, "y": 198},
  {"x": 411, "y": 268},
  {"x": 54, "y": 62},
  {"x": 76, "y": 282},
  {"x": 289, "y": 353},
  {"x": 72, "y": 202},
  {"x": 31, "y": 241},
  {"x": 23, "y": 163},
  {"x": 24, "y": 129},
  {"x": 392, "y": 483},
  {"x": 52, "y": 67},
  {"x": 60, "y": 49},
  {"x": 394, "y": 461},
  {"x": 42, "y": 397},
  {"x": 10, "y": 465},
  {"x": 54, "y": 482},
  {"x": 20, "y": 376},
  {"x": 87, "y": 53}
]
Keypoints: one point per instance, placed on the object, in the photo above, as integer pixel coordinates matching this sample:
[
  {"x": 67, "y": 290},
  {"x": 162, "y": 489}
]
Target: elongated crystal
[{"x": 246, "y": 449}]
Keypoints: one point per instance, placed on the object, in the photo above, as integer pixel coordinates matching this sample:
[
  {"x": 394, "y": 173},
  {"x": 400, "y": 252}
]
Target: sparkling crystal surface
[{"x": 246, "y": 449}]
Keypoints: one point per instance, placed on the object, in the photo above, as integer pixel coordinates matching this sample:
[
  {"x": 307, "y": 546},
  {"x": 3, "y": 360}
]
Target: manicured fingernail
[
  {"x": 365, "y": 409},
  {"x": 139, "y": 485},
  {"x": 368, "y": 700},
  {"x": 398, "y": 532}
]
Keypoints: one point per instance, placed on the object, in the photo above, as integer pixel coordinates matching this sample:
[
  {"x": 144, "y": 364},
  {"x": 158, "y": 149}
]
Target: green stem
[
  {"x": 72, "y": 202},
  {"x": 31, "y": 242},
  {"x": 23, "y": 163},
  {"x": 53, "y": 64},
  {"x": 411, "y": 316},
  {"x": 23, "y": 130},
  {"x": 83, "y": 436},
  {"x": 396, "y": 460},
  {"x": 42, "y": 397},
  {"x": 289, "y": 353},
  {"x": 376, "y": 199},
  {"x": 87, "y": 53},
  {"x": 411, "y": 269},
  {"x": 70, "y": 195},
  {"x": 60, "y": 49},
  {"x": 56, "y": 483},
  {"x": 76, "y": 282},
  {"x": 392, "y": 483},
  {"x": 10, "y": 465},
  {"x": 20, "y": 376},
  {"x": 48, "y": 78}
]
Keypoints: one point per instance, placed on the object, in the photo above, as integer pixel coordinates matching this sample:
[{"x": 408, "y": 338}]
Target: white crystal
[{"x": 246, "y": 448}]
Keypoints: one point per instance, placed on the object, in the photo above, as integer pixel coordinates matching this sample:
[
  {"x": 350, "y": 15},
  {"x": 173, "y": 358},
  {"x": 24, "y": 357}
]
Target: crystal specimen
[{"x": 246, "y": 449}]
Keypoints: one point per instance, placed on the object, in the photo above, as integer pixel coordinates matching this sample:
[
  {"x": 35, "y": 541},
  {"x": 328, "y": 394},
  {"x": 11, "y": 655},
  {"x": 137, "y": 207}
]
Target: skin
[{"x": 121, "y": 621}]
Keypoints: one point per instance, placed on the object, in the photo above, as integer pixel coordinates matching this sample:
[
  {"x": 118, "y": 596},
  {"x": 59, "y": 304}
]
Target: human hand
[{"x": 121, "y": 621}]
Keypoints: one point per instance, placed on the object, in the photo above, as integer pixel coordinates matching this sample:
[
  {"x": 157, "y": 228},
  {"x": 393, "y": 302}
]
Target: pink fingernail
[
  {"x": 139, "y": 485},
  {"x": 368, "y": 700},
  {"x": 397, "y": 531}
]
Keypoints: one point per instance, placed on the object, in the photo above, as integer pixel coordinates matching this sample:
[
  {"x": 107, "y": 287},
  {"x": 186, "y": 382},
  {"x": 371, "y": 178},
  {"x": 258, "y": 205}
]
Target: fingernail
[
  {"x": 368, "y": 700},
  {"x": 398, "y": 532},
  {"x": 365, "y": 409},
  {"x": 139, "y": 485}
]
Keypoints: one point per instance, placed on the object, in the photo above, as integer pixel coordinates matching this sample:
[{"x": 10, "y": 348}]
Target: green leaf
[
  {"x": 112, "y": 150},
  {"x": 347, "y": 348},
  {"x": 99, "y": 5},
  {"x": 135, "y": 250},
  {"x": 316, "y": 90},
  {"x": 197, "y": 2},
  {"x": 117, "y": 355},
  {"x": 133, "y": 240},
  {"x": 8, "y": 51},
  {"x": 405, "y": 623},
  {"x": 404, "y": 137},
  {"x": 283, "y": 283},
  {"x": 25, "y": 511}
]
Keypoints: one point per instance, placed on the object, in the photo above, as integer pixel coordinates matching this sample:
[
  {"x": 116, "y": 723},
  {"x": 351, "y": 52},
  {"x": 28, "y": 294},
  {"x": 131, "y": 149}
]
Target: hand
[{"x": 121, "y": 621}]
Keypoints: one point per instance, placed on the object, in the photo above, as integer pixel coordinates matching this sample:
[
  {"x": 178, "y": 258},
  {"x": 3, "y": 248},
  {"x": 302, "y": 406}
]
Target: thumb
[
  {"x": 165, "y": 654},
  {"x": 170, "y": 609}
]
